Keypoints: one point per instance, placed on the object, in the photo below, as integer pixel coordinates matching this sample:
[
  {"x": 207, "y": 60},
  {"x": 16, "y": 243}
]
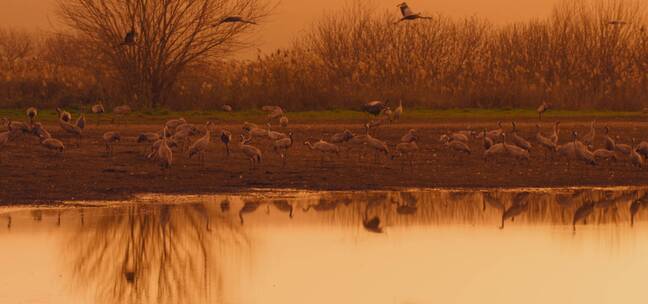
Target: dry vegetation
[{"x": 572, "y": 57}]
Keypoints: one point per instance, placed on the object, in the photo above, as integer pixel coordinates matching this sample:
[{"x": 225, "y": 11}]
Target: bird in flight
[
  {"x": 408, "y": 14},
  {"x": 130, "y": 37},
  {"x": 616, "y": 22},
  {"x": 235, "y": 19}
]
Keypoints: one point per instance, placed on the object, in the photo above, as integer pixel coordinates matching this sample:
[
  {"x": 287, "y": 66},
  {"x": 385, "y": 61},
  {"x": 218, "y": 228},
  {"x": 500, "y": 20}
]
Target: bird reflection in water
[
  {"x": 225, "y": 206},
  {"x": 492, "y": 200},
  {"x": 283, "y": 206},
  {"x": 371, "y": 224},
  {"x": 323, "y": 204},
  {"x": 581, "y": 213},
  {"x": 248, "y": 207},
  {"x": 513, "y": 211},
  {"x": 407, "y": 204},
  {"x": 519, "y": 205}
]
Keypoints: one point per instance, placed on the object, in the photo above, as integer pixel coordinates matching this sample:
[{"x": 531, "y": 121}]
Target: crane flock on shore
[{"x": 178, "y": 134}]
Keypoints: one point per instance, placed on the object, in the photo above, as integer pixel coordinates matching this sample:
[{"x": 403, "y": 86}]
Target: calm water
[{"x": 435, "y": 247}]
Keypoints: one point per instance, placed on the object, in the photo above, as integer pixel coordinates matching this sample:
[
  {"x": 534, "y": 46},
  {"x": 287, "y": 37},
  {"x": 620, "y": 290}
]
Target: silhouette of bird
[
  {"x": 81, "y": 121},
  {"x": 408, "y": 14},
  {"x": 53, "y": 144},
  {"x": 375, "y": 107},
  {"x": 492, "y": 200},
  {"x": 110, "y": 138},
  {"x": 543, "y": 108},
  {"x": 514, "y": 211},
  {"x": 322, "y": 205},
  {"x": 98, "y": 109},
  {"x": 225, "y": 205},
  {"x": 248, "y": 207},
  {"x": 283, "y": 206},
  {"x": 371, "y": 224},
  {"x": 410, "y": 136},
  {"x": 226, "y": 138},
  {"x": 397, "y": 112},
  {"x": 251, "y": 152},
  {"x": 64, "y": 115},
  {"x": 274, "y": 112},
  {"x": 130, "y": 37},
  {"x": 616, "y": 22},
  {"x": 31, "y": 114},
  {"x": 40, "y": 131},
  {"x": 235, "y": 19}
]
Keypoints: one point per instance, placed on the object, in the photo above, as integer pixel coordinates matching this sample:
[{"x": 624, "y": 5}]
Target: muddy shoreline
[{"x": 31, "y": 175}]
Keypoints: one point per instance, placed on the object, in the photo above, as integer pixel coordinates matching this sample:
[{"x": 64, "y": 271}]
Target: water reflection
[
  {"x": 193, "y": 250},
  {"x": 151, "y": 254}
]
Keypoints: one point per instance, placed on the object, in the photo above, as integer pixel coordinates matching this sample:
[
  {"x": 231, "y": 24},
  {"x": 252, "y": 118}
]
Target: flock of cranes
[
  {"x": 508, "y": 143},
  {"x": 179, "y": 135},
  {"x": 65, "y": 122}
]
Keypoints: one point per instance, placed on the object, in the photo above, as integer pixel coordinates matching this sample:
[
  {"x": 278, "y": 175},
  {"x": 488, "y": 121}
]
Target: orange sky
[{"x": 294, "y": 16}]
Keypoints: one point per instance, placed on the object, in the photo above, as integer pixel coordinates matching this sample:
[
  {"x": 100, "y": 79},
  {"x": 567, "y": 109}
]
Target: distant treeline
[{"x": 586, "y": 54}]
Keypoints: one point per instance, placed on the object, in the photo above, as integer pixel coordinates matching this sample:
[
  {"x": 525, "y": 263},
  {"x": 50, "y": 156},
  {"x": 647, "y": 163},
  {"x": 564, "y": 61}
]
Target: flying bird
[
  {"x": 235, "y": 19},
  {"x": 616, "y": 22},
  {"x": 129, "y": 39},
  {"x": 408, "y": 14}
]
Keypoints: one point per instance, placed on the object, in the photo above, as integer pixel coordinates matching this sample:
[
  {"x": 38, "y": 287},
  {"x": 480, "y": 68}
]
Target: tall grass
[{"x": 572, "y": 58}]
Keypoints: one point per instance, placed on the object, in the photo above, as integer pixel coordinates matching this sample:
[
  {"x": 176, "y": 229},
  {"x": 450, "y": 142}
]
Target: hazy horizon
[{"x": 292, "y": 17}]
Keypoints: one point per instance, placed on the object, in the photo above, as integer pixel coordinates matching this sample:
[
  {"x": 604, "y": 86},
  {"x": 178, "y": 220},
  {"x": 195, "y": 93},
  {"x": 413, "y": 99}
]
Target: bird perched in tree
[
  {"x": 130, "y": 38},
  {"x": 408, "y": 14},
  {"x": 235, "y": 19}
]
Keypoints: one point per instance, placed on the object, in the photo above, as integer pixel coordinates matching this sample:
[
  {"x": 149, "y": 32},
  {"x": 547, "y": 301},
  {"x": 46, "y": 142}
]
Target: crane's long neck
[{"x": 310, "y": 146}]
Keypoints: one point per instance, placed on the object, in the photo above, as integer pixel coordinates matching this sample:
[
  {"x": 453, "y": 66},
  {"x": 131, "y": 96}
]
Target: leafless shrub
[{"x": 577, "y": 58}]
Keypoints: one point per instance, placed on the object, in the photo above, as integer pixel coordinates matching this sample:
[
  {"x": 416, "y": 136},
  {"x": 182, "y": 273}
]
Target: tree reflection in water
[
  {"x": 153, "y": 254},
  {"x": 176, "y": 253}
]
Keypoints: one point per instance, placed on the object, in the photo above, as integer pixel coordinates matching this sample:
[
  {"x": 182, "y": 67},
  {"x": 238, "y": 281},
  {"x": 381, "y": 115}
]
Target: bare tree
[
  {"x": 170, "y": 35},
  {"x": 14, "y": 45}
]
